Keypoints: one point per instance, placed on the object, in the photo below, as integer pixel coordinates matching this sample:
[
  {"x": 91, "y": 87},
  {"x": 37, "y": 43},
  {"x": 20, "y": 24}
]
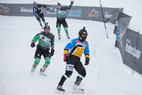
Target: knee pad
[
  {"x": 66, "y": 29},
  {"x": 43, "y": 19},
  {"x": 47, "y": 60},
  {"x": 68, "y": 73},
  {"x": 37, "y": 60},
  {"x": 58, "y": 28}
]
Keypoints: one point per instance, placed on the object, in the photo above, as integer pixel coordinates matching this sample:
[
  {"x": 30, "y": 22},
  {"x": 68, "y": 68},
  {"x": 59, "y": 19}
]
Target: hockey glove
[
  {"x": 52, "y": 52},
  {"x": 87, "y": 61},
  {"x": 71, "y": 3},
  {"x": 32, "y": 44}
]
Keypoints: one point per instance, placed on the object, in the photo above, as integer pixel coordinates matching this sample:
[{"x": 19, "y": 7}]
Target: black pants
[
  {"x": 41, "y": 15},
  {"x": 41, "y": 51},
  {"x": 73, "y": 62},
  {"x": 76, "y": 63},
  {"x": 63, "y": 22}
]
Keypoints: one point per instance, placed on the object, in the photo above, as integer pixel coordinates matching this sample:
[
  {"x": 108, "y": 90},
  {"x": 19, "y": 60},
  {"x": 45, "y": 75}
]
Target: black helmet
[
  {"x": 46, "y": 27},
  {"x": 58, "y": 4},
  {"x": 82, "y": 34}
]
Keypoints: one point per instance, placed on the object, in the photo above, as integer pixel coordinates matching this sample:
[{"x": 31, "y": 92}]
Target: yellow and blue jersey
[{"x": 77, "y": 48}]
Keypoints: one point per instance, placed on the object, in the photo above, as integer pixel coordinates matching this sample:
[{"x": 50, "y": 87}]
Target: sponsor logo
[
  {"x": 75, "y": 13},
  {"x": 132, "y": 50},
  {"x": 69, "y": 67},
  {"x": 25, "y": 10},
  {"x": 4, "y": 9},
  {"x": 48, "y": 40},
  {"x": 107, "y": 15},
  {"x": 43, "y": 37},
  {"x": 94, "y": 14},
  {"x": 62, "y": 12}
]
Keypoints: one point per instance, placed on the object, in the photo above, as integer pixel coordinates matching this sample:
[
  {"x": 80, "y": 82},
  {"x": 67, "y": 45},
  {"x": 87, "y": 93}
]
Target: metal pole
[{"x": 103, "y": 19}]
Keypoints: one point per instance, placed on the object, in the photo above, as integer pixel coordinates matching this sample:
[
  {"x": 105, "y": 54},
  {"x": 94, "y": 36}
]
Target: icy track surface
[{"x": 106, "y": 74}]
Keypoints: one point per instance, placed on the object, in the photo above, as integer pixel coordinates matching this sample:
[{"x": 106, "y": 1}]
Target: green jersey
[
  {"x": 45, "y": 41},
  {"x": 61, "y": 13}
]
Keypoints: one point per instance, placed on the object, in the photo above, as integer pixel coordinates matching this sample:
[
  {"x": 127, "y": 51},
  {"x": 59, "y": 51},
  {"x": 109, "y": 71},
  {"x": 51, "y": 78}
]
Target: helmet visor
[{"x": 83, "y": 35}]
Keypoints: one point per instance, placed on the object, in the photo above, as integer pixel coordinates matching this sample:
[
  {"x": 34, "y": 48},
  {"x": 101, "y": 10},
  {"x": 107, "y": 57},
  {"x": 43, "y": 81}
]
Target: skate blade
[
  {"x": 32, "y": 73},
  {"x": 59, "y": 92},
  {"x": 42, "y": 74},
  {"x": 78, "y": 92}
]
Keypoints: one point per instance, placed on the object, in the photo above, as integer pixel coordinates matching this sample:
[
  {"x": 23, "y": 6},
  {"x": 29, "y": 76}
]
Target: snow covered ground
[{"x": 106, "y": 74}]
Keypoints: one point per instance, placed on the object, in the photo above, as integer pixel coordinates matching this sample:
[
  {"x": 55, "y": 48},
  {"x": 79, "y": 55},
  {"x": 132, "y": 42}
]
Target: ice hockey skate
[
  {"x": 42, "y": 72},
  {"x": 32, "y": 70},
  {"x": 77, "y": 89},
  {"x": 60, "y": 90}
]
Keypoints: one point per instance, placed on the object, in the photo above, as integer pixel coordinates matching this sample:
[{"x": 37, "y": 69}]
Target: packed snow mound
[{"x": 106, "y": 73}]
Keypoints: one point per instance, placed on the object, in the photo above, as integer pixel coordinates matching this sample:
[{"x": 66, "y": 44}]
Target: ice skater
[
  {"x": 61, "y": 18},
  {"x": 38, "y": 13},
  {"x": 45, "y": 47},
  {"x": 72, "y": 53}
]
